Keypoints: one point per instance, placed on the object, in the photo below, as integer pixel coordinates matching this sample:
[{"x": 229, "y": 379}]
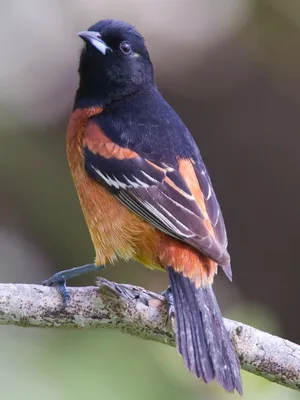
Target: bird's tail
[{"x": 201, "y": 336}]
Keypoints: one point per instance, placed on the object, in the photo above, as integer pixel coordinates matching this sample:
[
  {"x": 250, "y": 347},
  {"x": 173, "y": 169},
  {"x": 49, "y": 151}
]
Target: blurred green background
[{"x": 231, "y": 70}]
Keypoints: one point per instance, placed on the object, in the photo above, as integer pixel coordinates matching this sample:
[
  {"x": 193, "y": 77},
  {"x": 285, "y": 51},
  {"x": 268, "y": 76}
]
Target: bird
[{"x": 146, "y": 194}]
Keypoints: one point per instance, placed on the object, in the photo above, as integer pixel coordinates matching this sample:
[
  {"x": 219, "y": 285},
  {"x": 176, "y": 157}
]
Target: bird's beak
[{"x": 94, "y": 38}]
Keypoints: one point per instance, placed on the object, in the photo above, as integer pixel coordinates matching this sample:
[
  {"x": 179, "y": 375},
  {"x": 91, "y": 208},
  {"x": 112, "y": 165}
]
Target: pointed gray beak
[{"x": 94, "y": 38}]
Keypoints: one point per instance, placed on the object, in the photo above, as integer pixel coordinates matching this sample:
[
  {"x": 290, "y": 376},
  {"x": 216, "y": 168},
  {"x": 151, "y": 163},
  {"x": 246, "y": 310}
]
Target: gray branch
[{"x": 141, "y": 313}]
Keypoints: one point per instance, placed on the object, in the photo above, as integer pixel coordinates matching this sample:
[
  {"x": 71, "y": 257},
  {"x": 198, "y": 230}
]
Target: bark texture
[{"x": 141, "y": 313}]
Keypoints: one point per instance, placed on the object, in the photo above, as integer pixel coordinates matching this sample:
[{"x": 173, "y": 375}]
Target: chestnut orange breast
[{"x": 115, "y": 231}]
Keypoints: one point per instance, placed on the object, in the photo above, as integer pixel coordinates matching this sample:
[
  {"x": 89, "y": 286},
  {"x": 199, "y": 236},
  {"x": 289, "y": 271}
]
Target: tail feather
[
  {"x": 201, "y": 336},
  {"x": 187, "y": 334}
]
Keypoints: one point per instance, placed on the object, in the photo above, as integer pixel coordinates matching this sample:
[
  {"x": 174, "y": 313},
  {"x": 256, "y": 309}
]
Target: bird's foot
[
  {"x": 60, "y": 278},
  {"x": 168, "y": 295},
  {"x": 59, "y": 281}
]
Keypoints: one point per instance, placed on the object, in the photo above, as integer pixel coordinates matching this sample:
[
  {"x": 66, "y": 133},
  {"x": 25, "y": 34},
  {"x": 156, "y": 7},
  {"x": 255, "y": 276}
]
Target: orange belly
[{"x": 115, "y": 231}]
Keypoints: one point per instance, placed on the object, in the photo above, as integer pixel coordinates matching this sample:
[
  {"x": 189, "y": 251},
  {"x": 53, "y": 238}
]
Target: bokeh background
[{"x": 231, "y": 70}]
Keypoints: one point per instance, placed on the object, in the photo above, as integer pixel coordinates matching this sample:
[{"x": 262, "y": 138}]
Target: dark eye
[{"x": 125, "y": 47}]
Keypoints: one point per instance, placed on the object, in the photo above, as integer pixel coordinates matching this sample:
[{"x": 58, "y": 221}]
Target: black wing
[{"x": 159, "y": 194}]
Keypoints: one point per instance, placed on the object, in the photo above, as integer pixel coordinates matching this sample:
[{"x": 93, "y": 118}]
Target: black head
[{"x": 114, "y": 63}]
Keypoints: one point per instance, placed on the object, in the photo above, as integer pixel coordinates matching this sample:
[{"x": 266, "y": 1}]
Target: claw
[
  {"x": 59, "y": 280},
  {"x": 168, "y": 295},
  {"x": 60, "y": 283},
  {"x": 63, "y": 291}
]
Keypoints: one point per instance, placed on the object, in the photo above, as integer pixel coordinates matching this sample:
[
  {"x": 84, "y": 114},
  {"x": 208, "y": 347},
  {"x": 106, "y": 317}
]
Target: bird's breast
[{"x": 115, "y": 230}]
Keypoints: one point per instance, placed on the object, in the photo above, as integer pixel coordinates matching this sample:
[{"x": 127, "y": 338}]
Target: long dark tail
[{"x": 201, "y": 336}]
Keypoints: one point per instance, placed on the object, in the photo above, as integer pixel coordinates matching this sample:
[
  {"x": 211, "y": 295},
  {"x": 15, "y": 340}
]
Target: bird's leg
[
  {"x": 168, "y": 295},
  {"x": 59, "y": 279}
]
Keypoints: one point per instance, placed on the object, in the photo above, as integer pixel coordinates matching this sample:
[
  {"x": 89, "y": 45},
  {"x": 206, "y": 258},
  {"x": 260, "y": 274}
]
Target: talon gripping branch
[{"x": 146, "y": 194}]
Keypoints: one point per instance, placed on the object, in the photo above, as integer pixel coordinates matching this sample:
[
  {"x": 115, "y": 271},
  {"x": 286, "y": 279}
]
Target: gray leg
[{"x": 59, "y": 279}]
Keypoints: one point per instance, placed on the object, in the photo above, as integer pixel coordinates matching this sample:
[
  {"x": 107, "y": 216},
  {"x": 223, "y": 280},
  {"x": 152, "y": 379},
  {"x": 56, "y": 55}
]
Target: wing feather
[{"x": 160, "y": 195}]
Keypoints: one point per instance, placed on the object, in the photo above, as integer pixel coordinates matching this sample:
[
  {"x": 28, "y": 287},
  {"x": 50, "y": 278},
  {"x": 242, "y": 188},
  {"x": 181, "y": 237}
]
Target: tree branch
[{"x": 141, "y": 313}]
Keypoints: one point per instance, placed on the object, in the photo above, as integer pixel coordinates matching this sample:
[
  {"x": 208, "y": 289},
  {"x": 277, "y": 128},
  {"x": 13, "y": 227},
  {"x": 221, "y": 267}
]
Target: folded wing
[{"x": 177, "y": 199}]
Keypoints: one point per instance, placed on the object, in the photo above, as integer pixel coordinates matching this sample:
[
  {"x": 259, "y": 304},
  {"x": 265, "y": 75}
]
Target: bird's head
[{"x": 114, "y": 62}]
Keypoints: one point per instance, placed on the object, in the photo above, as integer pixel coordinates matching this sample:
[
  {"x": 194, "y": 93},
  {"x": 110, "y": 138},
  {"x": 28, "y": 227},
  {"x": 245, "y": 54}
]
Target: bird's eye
[{"x": 125, "y": 47}]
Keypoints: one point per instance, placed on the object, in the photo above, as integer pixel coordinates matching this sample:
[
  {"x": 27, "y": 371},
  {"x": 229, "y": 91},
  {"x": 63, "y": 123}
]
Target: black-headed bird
[{"x": 146, "y": 194}]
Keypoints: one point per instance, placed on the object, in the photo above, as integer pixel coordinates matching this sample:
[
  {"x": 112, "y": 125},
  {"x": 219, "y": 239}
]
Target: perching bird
[{"x": 146, "y": 194}]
